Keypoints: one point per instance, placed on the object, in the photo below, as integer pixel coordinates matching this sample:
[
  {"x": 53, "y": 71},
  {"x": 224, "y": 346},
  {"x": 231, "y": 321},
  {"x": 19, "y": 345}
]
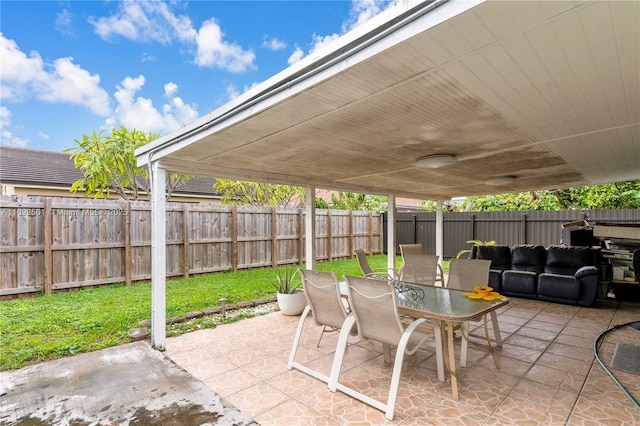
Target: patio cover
[{"x": 546, "y": 93}]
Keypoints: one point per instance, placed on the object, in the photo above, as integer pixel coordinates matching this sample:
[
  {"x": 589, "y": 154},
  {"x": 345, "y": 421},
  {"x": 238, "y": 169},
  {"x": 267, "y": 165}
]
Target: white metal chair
[
  {"x": 366, "y": 269},
  {"x": 465, "y": 274},
  {"x": 421, "y": 269},
  {"x": 375, "y": 312},
  {"x": 324, "y": 303}
]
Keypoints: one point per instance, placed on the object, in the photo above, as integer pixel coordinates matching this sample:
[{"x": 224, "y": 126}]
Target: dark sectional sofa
[{"x": 556, "y": 274}]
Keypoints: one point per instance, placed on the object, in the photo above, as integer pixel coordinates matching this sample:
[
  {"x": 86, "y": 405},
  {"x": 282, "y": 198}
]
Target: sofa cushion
[
  {"x": 528, "y": 257},
  {"x": 520, "y": 284},
  {"x": 557, "y": 288},
  {"x": 567, "y": 260},
  {"x": 500, "y": 256}
]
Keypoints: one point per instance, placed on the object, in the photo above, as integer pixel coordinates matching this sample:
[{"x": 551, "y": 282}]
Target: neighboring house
[{"x": 32, "y": 172}]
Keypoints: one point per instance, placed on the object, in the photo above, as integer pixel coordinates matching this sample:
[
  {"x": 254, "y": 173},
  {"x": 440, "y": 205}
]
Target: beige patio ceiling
[{"x": 547, "y": 92}]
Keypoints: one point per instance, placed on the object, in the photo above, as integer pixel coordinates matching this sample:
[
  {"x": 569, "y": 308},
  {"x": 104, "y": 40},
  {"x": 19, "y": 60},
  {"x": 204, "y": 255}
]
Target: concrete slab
[{"x": 131, "y": 384}]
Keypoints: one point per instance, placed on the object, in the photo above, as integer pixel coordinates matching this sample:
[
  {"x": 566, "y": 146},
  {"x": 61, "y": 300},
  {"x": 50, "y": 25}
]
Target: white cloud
[
  {"x": 18, "y": 69},
  {"x": 138, "y": 21},
  {"x": 213, "y": 51},
  {"x": 273, "y": 43},
  {"x": 360, "y": 12},
  {"x": 321, "y": 41},
  {"x": 155, "y": 22},
  {"x": 139, "y": 113},
  {"x": 64, "y": 22},
  {"x": 44, "y": 136},
  {"x": 23, "y": 76},
  {"x": 170, "y": 88},
  {"x": 8, "y": 139},
  {"x": 70, "y": 83},
  {"x": 232, "y": 93},
  {"x": 147, "y": 57},
  {"x": 297, "y": 54},
  {"x": 363, "y": 10}
]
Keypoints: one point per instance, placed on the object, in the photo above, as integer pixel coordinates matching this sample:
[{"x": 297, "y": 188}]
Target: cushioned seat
[
  {"x": 500, "y": 257},
  {"x": 521, "y": 279},
  {"x": 568, "y": 276}
]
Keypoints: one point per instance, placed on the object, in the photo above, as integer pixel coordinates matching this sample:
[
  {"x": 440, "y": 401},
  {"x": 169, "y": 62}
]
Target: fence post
[
  {"x": 414, "y": 221},
  {"x": 48, "y": 253},
  {"x": 329, "y": 235},
  {"x": 128, "y": 261},
  {"x": 384, "y": 225},
  {"x": 275, "y": 255},
  {"x": 524, "y": 229},
  {"x": 369, "y": 233},
  {"x": 234, "y": 238},
  {"x": 185, "y": 240},
  {"x": 300, "y": 236},
  {"x": 472, "y": 220}
]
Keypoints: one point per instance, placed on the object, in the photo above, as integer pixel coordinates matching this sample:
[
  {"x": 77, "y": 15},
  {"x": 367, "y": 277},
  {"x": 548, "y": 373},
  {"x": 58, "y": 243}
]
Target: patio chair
[
  {"x": 368, "y": 271},
  {"x": 421, "y": 269},
  {"x": 410, "y": 249},
  {"x": 375, "y": 312},
  {"x": 324, "y": 303},
  {"x": 465, "y": 274}
]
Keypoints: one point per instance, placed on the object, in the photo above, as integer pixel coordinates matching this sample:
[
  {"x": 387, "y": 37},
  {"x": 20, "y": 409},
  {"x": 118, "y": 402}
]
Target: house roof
[
  {"x": 545, "y": 92},
  {"x": 32, "y": 167}
]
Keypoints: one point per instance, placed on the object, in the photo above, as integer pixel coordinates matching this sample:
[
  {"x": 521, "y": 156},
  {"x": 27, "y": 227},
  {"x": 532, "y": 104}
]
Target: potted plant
[
  {"x": 475, "y": 243},
  {"x": 290, "y": 296}
]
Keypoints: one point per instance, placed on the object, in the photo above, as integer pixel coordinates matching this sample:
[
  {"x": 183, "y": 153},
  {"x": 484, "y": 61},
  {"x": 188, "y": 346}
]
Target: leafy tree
[
  {"x": 520, "y": 201},
  {"x": 620, "y": 195},
  {"x": 353, "y": 201},
  {"x": 109, "y": 165},
  {"x": 258, "y": 194},
  {"x": 321, "y": 204},
  {"x": 447, "y": 205}
]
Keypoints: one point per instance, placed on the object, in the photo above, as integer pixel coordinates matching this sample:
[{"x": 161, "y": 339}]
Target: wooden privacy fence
[{"x": 65, "y": 243}]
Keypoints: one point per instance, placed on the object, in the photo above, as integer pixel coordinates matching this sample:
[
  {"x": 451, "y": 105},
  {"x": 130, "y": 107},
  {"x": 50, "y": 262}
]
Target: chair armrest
[
  {"x": 440, "y": 276},
  {"x": 585, "y": 271}
]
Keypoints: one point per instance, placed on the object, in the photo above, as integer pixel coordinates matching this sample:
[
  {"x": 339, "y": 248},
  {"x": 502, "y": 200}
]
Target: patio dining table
[{"x": 445, "y": 308}]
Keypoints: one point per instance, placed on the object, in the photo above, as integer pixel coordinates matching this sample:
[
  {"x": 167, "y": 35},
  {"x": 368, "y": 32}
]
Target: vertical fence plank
[
  {"x": 127, "y": 243},
  {"x": 234, "y": 238},
  {"x": 275, "y": 252},
  {"x": 301, "y": 236},
  {"x": 330, "y": 236},
  {"x": 186, "y": 221},
  {"x": 370, "y": 231},
  {"x": 48, "y": 260}
]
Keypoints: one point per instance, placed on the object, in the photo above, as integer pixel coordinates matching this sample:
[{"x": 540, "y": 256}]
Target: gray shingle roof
[{"x": 55, "y": 169}]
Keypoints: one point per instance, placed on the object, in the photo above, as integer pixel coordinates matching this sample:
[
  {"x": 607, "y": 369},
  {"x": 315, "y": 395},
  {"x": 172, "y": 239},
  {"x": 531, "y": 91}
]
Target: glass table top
[
  {"x": 436, "y": 302},
  {"x": 442, "y": 303}
]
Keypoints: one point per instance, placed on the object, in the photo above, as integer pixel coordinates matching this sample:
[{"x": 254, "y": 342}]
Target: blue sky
[{"x": 68, "y": 68}]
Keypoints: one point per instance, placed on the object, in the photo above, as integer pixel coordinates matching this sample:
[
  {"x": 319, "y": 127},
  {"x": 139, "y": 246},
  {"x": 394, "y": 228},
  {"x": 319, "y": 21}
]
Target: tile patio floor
[{"x": 548, "y": 373}]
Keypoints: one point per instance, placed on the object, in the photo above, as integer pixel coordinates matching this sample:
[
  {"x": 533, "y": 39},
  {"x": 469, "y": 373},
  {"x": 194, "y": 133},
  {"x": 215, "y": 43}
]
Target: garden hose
[{"x": 636, "y": 325}]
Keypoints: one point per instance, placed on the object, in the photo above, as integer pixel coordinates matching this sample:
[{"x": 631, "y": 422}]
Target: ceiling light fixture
[
  {"x": 500, "y": 181},
  {"x": 435, "y": 161}
]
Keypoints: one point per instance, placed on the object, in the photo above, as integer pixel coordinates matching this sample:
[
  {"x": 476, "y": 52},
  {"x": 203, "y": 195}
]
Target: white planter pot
[{"x": 291, "y": 304}]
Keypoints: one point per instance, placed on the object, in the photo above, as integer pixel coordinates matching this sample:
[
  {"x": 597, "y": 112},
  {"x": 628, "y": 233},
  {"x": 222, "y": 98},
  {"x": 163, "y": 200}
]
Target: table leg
[{"x": 452, "y": 360}]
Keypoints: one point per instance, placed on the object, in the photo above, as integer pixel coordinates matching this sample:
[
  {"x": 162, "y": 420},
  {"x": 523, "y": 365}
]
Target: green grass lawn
[{"x": 63, "y": 324}]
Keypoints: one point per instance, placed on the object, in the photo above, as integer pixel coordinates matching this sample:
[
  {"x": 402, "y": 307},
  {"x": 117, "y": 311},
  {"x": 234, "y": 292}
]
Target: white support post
[
  {"x": 310, "y": 227},
  {"x": 391, "y": 234},
  {"x": 158, "y": 257},
  {"x": 439, "y": 231}
]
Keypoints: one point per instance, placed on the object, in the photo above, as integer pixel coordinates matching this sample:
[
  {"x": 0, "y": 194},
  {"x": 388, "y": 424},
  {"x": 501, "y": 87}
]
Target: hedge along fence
[{"x": 67, "y": 243}]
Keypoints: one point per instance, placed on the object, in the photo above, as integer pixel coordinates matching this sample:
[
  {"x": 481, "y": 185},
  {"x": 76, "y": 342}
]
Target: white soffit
[{"x": 545, "y": 91}]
